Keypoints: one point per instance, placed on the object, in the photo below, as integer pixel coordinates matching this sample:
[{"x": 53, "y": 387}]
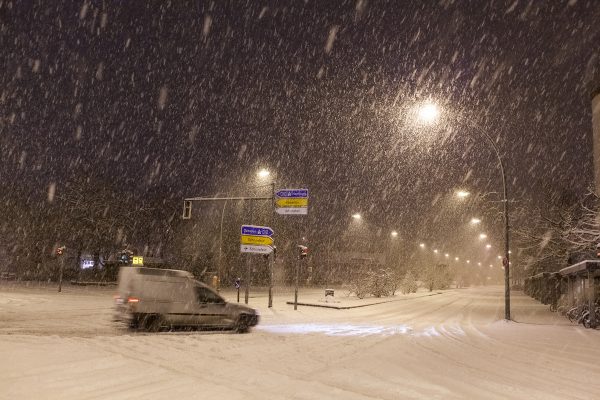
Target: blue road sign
[
  {"x": 257, "y": 230},
  {"x": 292, "y": 193}
]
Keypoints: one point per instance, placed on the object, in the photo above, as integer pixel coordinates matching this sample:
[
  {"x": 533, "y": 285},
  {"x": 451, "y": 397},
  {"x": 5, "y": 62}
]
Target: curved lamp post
[
  {"x": 429, "y": 113},
  {"x": 506, "y": 261}
]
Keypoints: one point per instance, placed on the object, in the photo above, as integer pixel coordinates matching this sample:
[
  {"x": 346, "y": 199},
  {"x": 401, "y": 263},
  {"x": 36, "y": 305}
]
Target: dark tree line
[{"x": 89, "y": 216}]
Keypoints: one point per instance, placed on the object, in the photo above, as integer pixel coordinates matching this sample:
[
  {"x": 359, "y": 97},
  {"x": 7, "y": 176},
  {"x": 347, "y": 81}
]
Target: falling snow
[{"x": 406, "y": 121}]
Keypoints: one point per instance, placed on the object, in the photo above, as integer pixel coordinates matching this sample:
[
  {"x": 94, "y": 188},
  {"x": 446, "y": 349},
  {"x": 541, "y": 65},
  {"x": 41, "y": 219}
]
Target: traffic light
[
  {"x": 302, "y": 252},
  {"x": 60, "y": 250},
  {"x": 187, "y": 209}
]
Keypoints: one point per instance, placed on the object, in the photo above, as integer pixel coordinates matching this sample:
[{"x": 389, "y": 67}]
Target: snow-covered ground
[{"x": 451, "y": 345}]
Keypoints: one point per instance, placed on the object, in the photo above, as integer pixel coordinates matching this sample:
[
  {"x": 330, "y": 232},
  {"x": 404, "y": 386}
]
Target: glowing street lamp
[
  {"x": 356, "y": 216},
  {"x": 428, "y": 113},
  {"x": 456, "y": 258},
  {"x": 263, "y": 173},
  {"x": 446, "y": 255},
  {"x": 462, "y": 194},
  {"x": 422, "y": 245},
  {"x": 475, "y": 221},
  {"x": 488, "y": 246},
  {"x": 394, "y": 233},
  {"x": 482, "y": 236},
  {"x": 435, "y": 251}
]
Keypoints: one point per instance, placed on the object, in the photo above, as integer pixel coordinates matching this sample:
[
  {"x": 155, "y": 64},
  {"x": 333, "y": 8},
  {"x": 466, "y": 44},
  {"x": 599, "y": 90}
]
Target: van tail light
[{"x": 133, "y": 300}]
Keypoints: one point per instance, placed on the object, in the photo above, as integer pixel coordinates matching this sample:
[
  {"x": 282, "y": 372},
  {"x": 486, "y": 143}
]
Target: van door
[{"x": 211, "y": 307}]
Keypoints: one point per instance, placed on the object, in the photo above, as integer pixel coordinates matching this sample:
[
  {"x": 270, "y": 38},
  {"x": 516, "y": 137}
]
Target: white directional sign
[
  {"x": 250, "y": 248},
  {"x": 291, "y": 201}
]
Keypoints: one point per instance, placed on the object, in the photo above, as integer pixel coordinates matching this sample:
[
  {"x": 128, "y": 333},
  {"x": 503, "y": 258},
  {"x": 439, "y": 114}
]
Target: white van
[{"x": 152, "y": 298}]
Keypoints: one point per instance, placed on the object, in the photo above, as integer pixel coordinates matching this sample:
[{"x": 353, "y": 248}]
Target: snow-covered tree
[
  {"x": 436, "y": 276},
  {"x": 409, "y": 283}
]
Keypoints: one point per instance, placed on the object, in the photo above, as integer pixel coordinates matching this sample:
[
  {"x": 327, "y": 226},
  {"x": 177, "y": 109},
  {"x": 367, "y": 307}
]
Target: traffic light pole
[{"x": 187, "y": 214}]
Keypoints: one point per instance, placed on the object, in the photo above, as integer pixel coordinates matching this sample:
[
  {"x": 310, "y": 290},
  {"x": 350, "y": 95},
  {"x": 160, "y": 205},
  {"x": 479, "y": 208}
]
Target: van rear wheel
[{"x": 153, "y": 323}]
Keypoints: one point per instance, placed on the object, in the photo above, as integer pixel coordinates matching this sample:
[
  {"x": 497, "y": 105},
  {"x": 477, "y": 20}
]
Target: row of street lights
[{"x": 456, "y": 258}]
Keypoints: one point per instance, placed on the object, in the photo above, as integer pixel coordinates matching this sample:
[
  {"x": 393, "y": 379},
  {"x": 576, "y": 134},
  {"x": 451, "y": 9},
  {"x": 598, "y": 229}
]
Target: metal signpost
[
  {"x": 293, "y": 202},
  {"x": 237, "y": 285},
  {"x": 258, "y": 240}
]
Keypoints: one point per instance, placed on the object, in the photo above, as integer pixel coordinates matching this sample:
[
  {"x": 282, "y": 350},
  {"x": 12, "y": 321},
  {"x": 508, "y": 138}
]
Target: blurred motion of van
[{"x": 152, "y": 298}]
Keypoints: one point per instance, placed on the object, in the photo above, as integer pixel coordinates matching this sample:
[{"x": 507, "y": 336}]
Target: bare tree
[
  {"x": 584, "y": 236},
  {"x": 542, "y": 233}
]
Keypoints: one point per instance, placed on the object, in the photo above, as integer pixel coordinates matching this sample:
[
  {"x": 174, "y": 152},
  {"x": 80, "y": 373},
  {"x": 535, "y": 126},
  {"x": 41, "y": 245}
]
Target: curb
[{"x": 361, "y": 305}]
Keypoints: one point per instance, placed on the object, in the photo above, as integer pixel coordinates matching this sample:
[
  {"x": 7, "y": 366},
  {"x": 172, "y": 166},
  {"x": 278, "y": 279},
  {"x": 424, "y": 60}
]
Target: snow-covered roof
[{"x": 583, "y": 266}]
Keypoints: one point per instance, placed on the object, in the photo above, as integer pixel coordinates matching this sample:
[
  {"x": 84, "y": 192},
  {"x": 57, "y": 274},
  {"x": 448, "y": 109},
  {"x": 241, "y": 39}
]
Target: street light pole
[
  {"x": 220, "y": 266},
  {"x": 272, "y": 255},
  {"x": 506, "y": 260}
]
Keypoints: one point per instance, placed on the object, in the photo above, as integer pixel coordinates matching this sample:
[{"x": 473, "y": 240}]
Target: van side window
[{"x": 205, "y": 295}]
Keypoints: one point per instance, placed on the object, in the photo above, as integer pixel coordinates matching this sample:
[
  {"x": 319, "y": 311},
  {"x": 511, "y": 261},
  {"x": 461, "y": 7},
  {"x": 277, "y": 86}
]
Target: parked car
[{"x": 152, "y": 299}]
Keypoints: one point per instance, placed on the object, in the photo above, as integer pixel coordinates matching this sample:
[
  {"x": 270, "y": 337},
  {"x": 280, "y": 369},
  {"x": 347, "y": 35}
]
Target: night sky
[{"x": 190, "y": 98}]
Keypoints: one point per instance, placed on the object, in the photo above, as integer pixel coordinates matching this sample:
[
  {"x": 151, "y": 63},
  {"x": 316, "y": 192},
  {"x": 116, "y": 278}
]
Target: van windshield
[{"x": 205, "y": 295}]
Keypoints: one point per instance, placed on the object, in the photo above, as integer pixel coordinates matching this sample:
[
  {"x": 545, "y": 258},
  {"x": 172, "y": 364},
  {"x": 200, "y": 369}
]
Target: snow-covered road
[{"x": 447, "y": 346}]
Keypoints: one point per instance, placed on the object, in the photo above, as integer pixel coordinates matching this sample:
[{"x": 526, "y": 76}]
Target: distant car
[{"x": 152, "y": 298}]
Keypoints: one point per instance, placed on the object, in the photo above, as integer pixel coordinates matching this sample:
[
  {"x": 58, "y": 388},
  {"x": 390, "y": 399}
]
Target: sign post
[
  {"x": 258, "y": 240},
  {"x": 237, "y": 285},
  {"x": 293, "y": 202}
]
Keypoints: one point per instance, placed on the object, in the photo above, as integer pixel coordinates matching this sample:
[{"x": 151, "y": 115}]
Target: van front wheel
[{"x": 241, "y": 326}]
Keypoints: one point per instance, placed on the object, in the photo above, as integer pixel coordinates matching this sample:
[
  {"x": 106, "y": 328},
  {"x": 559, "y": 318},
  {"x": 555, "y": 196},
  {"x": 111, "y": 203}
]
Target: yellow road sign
[
  {"x": 137, "y": 260},
  {"x": 292, "y": 202},
  {"x": 257, "y": 240}
]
